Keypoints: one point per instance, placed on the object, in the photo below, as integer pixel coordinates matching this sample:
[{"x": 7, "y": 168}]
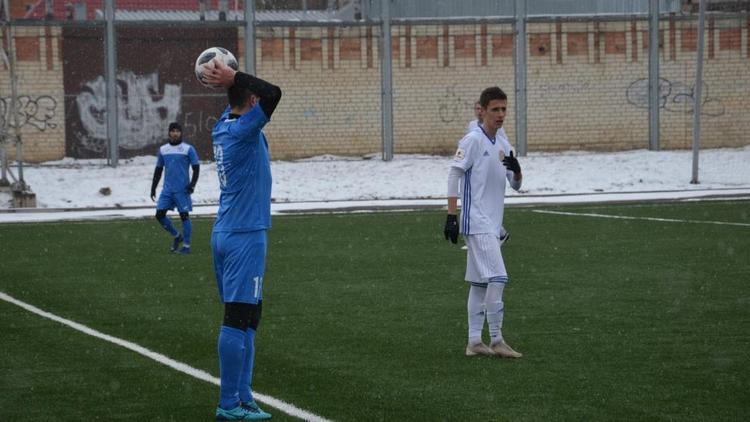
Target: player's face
[
  {"x": 175, "y": 134},
  {"x": 493, "y": 116}
]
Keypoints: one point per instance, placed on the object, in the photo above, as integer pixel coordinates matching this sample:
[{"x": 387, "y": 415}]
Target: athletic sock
[
  {"x": 187, "y": 232},
  {"x": 475, "y": 309},
  {"x": 168, "y": 226},
  {"x": 246, "y": 375},
  {"x": 495, "y": 310},
  {"x": 231, "y": 354}
]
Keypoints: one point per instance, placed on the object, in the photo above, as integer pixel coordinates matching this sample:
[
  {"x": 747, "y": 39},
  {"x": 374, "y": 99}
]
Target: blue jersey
[
  {"x": 177, "y": 159},
  {"x": 241, "y": 154}
]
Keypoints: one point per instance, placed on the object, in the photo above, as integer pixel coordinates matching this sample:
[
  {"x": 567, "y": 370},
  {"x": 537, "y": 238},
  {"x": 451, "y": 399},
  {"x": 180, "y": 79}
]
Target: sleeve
[
  {"x": 269, "y": 94},
  {"x": 249, "y": 123},
  {"x": 226, "y": 112},
  {"x": 465, "y": 154},
  {"x": 454, "y": 179},
  {"x": 193, "y": 156},
  {"x": 159, "y": 159}
]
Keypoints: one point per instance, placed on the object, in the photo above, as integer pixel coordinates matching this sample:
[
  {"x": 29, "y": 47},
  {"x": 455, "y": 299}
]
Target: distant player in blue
[
  {"x": 239, "y": 240},
  {"x": 177, "y": 156}
]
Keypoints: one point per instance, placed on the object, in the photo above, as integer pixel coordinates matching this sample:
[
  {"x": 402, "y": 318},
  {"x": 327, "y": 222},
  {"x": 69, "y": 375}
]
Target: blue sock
[
  {"x": 187, "y": 232},
  {"x": 246, "y": 376},
  {"x": 168, "y": 226},
  {"x": 231, "y": 354}
]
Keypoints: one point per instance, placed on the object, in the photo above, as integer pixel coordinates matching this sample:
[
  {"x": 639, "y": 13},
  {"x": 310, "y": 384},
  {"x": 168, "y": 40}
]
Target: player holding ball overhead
[{"x": 238, "y": 240}]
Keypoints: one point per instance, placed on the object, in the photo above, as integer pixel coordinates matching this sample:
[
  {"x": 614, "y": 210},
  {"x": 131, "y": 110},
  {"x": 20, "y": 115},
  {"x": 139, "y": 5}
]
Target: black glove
[
  {"x": 153, "y": 194},
  {"x": 190, "y": 189},
  {"x": 451, "y": 228},
  {"x": 511, "y": 163}
]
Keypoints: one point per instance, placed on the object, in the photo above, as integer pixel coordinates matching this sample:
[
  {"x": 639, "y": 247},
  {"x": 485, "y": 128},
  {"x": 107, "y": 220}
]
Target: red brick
[
  {"x": 427, "y": 47},
  {"x": 350, "y": 49},
  {"x": 539, "y": 45},
  {"x": 27, "y": 49},
  {"x": 730, "y": 39},
  {"x": 614, "y": 42},
  {"x": 465, "y": 46},
  {"x": 578, "y": 43},
  {"x": 311, "y": 49},
  {"x": 502, "y": 45}
]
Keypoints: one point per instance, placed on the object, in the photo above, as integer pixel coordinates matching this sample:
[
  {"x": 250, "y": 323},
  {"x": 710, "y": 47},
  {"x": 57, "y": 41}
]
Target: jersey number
[{"x": 219, "y": 158}]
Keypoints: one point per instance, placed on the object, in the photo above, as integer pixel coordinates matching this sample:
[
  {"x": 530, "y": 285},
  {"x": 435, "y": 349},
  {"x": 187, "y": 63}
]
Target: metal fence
[{"x": 574, "y": 82}]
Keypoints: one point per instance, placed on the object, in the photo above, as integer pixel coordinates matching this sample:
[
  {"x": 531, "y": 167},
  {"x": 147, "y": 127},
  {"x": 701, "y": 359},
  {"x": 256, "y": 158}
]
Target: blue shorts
[
  {"x": 172, "y": 200},
  {"x": 239, "y": 264}
]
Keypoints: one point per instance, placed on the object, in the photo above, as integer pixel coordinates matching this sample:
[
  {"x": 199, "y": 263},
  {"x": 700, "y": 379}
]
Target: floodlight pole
[
  {"x": 386, "y": 81},
  {"x": 250, "y": 37},
  {"x": 111, "y": 82},
  {"x": 697, "y": 90}
]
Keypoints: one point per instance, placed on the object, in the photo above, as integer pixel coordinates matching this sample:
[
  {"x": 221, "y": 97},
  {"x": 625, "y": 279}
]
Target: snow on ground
[{"x": 71, "y": 183}]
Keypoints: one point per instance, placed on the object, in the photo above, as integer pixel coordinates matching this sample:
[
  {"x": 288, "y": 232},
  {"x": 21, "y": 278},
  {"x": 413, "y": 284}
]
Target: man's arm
[
  {"x": 451, "y": 223},
  {"x": 157, "y": 176},
  {"x": 269, "y": 94},
  {"x": 511, "y": 163},
  {"x": 194, "y": 179},
  {"x": 225, "y": 76}
]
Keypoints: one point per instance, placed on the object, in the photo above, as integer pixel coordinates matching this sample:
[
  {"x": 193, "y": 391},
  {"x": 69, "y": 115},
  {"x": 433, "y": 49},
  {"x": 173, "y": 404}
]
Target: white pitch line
[
  {"x": 627, "y": 217},
  {"x": 285, "y": 407}
]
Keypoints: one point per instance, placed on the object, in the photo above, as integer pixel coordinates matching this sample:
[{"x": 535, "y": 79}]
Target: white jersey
[
  {"x": 473, "y": 125},
  {"x": 483, "y": 190}
]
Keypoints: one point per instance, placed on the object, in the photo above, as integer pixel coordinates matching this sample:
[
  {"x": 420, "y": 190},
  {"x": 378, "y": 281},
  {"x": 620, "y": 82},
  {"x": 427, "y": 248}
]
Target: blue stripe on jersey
[{"x": 466, "y": 203}]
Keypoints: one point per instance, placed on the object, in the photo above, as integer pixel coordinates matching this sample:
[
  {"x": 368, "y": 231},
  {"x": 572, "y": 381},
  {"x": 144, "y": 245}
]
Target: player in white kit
[{"x": 485, "y": 160}]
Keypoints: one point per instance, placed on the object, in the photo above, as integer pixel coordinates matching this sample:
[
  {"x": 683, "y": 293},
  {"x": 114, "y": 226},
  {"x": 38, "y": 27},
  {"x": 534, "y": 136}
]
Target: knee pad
[
  {"x": 241, "y": 315},
  {"x": 184, "y": 216},
  {"x": 161, "y": 214}
]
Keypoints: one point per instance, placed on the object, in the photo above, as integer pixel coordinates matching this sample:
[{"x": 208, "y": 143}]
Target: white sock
[
  {"x": 495, "y": 309},
  {"x": 475, "y": 309}
]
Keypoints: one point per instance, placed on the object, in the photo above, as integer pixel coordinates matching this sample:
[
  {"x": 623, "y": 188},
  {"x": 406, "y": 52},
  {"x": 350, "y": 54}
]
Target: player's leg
[
  {"x": 497, "y": 277},
  {"x": 165, "y": 203},
  {"x": 475, "y": 305},
  {"x": 243, "y": 263},
  {"x": 185, "y": 206},
  {"x": 187, "y": 232}
]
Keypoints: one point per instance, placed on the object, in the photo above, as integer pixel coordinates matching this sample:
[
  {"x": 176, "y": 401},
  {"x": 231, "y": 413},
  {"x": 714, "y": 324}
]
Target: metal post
[
  {"x": 111, "y": 82},
  {"x": 520, "y": 57},
  {"x": 250, "y": 37},
  {"x": 386, "y": 81},
  {"x": 697, "y": 92},
  {"x": 13, "y": 110},
  {"x": 654, "y": 97}
]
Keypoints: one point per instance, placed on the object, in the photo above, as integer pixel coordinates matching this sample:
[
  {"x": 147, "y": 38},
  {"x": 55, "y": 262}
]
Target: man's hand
[
  {"x": 153, "y": 195},
  {"x": 190, "y": 189},
  {"x": 451, "y": 228},
  {"x": 221, "y": 74},
  {"x": 511, "y": 163}
]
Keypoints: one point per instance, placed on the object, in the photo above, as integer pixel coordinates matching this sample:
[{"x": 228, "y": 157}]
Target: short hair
[
  {"x": 238, "y": 95},
  {"x": 491, "y": 93}
]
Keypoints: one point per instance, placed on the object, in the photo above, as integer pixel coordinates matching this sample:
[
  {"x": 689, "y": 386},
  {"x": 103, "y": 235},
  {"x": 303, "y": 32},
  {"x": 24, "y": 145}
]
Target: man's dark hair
[
  {"x": 237, "y": 95},
  {"x": 491, "y": 93}
]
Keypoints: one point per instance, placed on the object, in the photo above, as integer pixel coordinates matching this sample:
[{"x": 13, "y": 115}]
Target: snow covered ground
[{"x": 77, "y": 184}]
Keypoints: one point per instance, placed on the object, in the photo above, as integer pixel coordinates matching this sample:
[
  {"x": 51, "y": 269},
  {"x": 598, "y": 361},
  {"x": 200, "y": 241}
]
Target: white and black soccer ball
[{"x": 205, "y": 61}]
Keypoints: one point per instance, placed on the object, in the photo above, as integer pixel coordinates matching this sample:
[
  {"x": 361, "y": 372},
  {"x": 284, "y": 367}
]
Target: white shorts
[{"x": 484, "y": 261}]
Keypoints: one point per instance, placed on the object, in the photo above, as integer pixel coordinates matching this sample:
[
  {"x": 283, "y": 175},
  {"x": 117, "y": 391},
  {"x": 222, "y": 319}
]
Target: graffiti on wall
[
  {"x": 143, "y": 112},
  {"x": 675, "y": 97},
  {"x": 452, "y": 106},
  {"x": 37, "y": 112}
]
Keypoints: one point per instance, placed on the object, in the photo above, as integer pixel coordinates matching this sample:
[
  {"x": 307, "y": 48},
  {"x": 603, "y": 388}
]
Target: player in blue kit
[
  {"x": 177, "y": 156},
  {"x": 239, "y": 240}
]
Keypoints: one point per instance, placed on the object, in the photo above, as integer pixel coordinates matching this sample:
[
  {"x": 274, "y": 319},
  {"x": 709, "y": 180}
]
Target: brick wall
[
  {"x": 587, "y": 85},
  {"x": 40, "y": 94}
]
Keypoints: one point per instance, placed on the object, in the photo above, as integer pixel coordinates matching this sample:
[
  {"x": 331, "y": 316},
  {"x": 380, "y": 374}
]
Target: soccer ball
[{"x": 205, "y": 61}]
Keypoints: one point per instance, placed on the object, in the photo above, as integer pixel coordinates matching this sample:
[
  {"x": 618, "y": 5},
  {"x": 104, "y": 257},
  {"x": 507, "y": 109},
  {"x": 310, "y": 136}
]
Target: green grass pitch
[{"x": 364, "y": 319}]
